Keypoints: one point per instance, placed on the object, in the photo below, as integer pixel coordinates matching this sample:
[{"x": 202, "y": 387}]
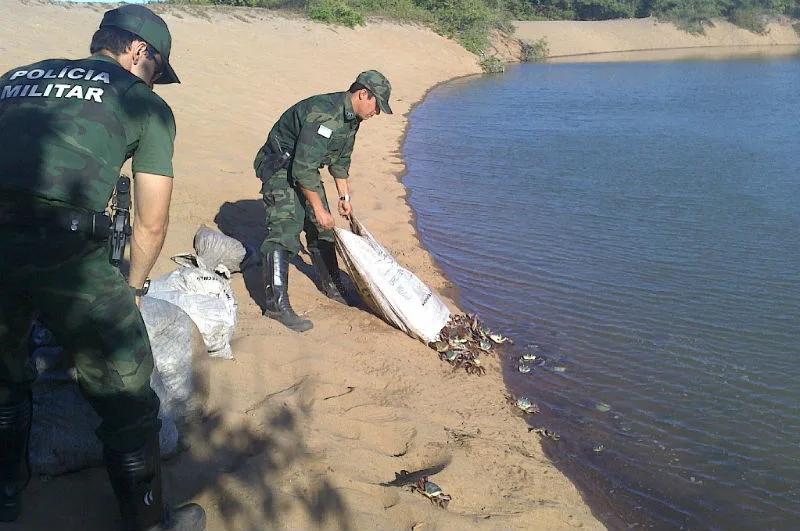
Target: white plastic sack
[
  {"x": 216, "y": 249},
  {"x": 393, "y": 292},
  {"x": 180, "y": 358},
  {"x": 206, "y": 296}
]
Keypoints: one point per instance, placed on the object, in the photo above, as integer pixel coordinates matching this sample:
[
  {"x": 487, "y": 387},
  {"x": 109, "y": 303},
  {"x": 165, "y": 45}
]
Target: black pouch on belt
[{"x": 274, "y": 160}]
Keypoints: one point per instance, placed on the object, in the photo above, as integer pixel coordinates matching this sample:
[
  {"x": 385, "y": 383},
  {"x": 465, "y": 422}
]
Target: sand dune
[
  {"x": 649, "y": 39},
  {"x": 302, "y": 430}
]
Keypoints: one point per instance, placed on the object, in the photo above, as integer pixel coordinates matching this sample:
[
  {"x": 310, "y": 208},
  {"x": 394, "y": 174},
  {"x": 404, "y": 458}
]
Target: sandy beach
[
  {"x": 649, "y": 39},
  {"x": 301, "y": 430}
]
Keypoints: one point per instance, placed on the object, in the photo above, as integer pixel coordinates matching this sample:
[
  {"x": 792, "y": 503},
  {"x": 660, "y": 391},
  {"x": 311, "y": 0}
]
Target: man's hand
[
  {"x": 325, "y": 219},
  {"x": 345, "y": 209}
]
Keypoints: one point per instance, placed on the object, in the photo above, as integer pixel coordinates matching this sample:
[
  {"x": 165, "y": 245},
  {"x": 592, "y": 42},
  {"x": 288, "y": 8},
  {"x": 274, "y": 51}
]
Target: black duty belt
[{"x": 94, "y": 225}]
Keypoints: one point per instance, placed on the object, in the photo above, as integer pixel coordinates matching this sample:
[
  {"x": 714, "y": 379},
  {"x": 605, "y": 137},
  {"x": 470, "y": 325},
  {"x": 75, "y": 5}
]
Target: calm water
[{"x": 639, "y": 224}]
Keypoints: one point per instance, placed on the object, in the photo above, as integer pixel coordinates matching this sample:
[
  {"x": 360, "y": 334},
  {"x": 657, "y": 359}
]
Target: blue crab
[
  {"x": 534, "y": 360},
  {"x": 432, "y": 491},
  {"x": 440, "y": 346},
  {"x": 472, "y": 365},
  {"x": 450, "y": 356},
  {"x": 500, "y": 339},
  {"x": 544, "y": 432},
  {"x": 524, "y": 404}
]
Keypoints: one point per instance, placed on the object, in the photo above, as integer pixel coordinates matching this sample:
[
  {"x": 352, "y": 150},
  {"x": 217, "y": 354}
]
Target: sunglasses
[
  {"x": 371, "y": 95},
  {"x": 159, "y": 64}
]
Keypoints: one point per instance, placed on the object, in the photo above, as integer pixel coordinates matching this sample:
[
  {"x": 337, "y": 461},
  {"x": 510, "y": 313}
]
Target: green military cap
[
  {"x": 150, "y": 27},
  {"x": 378, "y": 85}
]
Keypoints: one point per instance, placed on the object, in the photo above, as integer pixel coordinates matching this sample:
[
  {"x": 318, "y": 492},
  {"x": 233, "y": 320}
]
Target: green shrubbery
[
  {"x": 334, "y": 12},
  {"x": 472, "y": 21},
  {"x": 402, "y": 10},
  {"x": 749, "y": 19},
  {"x": 535, "y": 52},
  {"x": 492, "y": 64},
  {"x": 468, "y": 21}
]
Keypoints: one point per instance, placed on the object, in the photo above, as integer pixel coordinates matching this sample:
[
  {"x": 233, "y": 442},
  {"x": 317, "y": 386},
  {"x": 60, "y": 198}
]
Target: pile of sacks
[
  {"x": 202, "y": 288},
  {"x": 190, "y": 314}
]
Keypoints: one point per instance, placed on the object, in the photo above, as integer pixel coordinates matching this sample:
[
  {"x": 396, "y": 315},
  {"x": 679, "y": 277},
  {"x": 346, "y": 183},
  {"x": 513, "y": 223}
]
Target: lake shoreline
[{"x": 549, "y": 83}]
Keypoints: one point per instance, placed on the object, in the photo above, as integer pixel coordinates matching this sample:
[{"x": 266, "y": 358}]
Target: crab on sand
[
  {"x": 472, "y": 364},
  {"x": 432, "y": 491}
]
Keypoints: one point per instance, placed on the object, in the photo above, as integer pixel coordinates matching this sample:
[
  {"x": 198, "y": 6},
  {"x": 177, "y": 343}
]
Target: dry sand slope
[
  {"x": 653, "y": 40},
  {"x": 303, "y": 429}
]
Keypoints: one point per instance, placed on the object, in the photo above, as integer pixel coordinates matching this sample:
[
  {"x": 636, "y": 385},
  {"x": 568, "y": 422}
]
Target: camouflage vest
[{"x": 62, "y": 130}]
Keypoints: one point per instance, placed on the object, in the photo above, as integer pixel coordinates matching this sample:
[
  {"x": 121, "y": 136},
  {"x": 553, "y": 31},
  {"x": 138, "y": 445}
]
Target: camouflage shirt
[
  {"x": 68, "y": 126},
  {"x": 319, "y": 131}
]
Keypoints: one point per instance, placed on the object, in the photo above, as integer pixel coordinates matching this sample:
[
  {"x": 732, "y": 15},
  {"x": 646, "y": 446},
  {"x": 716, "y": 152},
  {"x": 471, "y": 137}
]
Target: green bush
[
  {"x": 334, "y": 12},
  {"x": 492, "y": 64},
  {"x": 604, "y": 9},
  {"x": 475, "y": 39},
  {"x": 404, "y": 10},
  {"x": 748, "y": 19},
  {"x": 689, "y": 15},
  {"x": 468, "y": 21},
  {"x": 535, "y": 52}
]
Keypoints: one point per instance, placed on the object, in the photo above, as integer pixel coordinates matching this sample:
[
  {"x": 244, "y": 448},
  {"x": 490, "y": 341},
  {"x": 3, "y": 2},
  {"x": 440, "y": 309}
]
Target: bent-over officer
[
  {"x": 66, "y": 128},
  {"x": 318, "y": 131}
]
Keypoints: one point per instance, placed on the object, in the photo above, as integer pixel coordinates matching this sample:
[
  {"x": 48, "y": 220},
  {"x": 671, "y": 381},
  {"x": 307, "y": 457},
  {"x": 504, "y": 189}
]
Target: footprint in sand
[{"x": 379, "y": 428}]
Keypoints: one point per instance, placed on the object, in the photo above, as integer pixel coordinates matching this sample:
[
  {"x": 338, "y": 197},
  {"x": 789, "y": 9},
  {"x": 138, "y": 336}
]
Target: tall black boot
[
  {"x": 276, "y": 286},
  {"x": 136, "y": 480},
  {"x": 15, "y": 472},
  {"x": 323, "y": 256}
]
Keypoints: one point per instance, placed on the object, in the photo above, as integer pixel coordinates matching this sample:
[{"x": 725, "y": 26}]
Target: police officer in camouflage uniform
[
  {"x": 66, "y": 128},
  {"x": 318, "y": 131}
]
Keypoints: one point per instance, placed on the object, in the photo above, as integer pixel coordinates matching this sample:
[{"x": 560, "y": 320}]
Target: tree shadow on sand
[
  {"x": 247, "y": 471},
  {"x": 250, "y": 468}
]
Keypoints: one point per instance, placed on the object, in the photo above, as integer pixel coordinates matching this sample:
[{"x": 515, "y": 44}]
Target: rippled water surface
[{"x": 639, "y": 225}]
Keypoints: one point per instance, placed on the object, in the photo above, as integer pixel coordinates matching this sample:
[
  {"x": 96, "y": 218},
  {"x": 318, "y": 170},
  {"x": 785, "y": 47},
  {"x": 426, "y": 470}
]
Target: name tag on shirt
[{"x": 324, "y": 131}]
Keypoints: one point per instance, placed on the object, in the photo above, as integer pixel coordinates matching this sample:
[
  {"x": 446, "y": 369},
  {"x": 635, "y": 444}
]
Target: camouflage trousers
[
  {"x": 67, "y": 283},
  {"x": 288, "y": 214}
]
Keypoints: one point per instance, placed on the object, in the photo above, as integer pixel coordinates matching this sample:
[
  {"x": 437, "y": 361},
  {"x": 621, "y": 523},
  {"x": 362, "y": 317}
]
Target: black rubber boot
[
  {"x": 276, "y": 286},
  {"x": 323, "y": 256},
  {"x": 15, "y": 472},
  {"x": 136, "y": 480}
]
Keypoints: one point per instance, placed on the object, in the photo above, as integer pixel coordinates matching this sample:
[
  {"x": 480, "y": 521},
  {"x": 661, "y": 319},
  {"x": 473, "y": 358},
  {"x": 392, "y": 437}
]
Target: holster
[{"x": 274, "y": 160}]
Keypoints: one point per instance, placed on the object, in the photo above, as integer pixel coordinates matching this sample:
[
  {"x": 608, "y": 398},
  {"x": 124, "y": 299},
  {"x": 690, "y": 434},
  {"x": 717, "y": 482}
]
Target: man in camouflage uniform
[
  {"x": 66, "y": 128},
  {"x": 318, "y": 131}
]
